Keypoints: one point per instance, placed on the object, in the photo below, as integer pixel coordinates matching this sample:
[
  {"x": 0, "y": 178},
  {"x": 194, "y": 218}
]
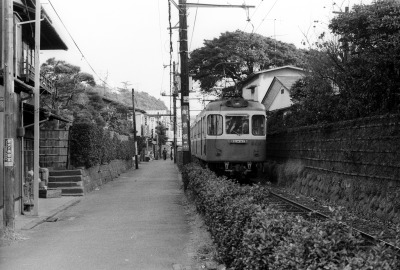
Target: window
[
  {"x": 258, "y": 125},
  {"x": 238, "y": 124},
  {"x": 282, "y": 91},
  {"x": 199, "y": 128},
  {"x": 214, "y": 124}
]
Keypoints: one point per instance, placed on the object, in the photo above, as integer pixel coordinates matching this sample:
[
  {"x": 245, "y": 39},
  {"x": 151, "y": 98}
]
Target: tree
[
  {"x": 355, "y": 75},
  {"x": 69, "y": 83},
  {"x": 235, "y": 55},
  {"x": 162, "y": 137},
  {"x": 370, "y": 42},
  {"x": 161, "y": 133}
]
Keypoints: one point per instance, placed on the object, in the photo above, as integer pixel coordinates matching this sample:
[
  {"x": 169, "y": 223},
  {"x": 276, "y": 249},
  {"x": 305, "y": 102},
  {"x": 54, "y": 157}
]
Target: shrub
[
  {"x": 250, "y": 234},
  {"x": 91, "y": 145}
]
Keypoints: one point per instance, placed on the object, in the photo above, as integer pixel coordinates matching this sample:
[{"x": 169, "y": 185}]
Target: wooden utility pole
[
  {"x": 185, "y": 110},
  {"x": 8, "y": 139},
  {"x": 36, "y": 130},
  {"x": 134, "y": 129},
  {"x": 345, "y": 43},
  {"x": 174, "y": 95},
  {"x": 183, "y": 51}
]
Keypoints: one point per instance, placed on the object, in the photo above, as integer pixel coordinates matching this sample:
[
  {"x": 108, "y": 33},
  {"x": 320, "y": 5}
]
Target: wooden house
[
  {"x": 23, "y": 50},
  {"x": 255, "y": 87},
  {"x": 277, "y": 96}
]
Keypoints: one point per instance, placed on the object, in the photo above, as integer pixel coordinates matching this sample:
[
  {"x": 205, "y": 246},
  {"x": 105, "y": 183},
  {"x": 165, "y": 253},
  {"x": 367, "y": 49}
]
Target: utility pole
[
  {"x": 183, "y": 51},
  {"x": 345, "y": 43},
  {"x": 8, "y": 140},
  {"x": 134, "y": 129},
  {"x": 36, "y": 130},
  {"x": 174, "y": 94},
  {"x": 185, "y": 110}
]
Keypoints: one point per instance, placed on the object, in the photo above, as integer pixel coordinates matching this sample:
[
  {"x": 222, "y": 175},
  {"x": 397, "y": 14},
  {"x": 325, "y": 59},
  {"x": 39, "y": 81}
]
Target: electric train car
[{"x": 230, "y": 136}]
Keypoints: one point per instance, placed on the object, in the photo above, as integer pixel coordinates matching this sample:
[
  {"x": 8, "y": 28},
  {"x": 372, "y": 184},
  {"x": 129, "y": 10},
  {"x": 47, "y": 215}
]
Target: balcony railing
[{"x": 27, "y": 73}]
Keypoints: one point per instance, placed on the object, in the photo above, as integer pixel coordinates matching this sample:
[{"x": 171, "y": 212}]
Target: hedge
[
  {"x": 91, "y": 145},
  {"x": 250, "y": 234}
]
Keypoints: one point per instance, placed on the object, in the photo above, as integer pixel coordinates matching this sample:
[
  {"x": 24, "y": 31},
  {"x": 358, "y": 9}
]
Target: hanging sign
[
  {"x": 185, "y": 128},
  {"x": 9, "y": 152},
  {"x": 1, "y": 104}
]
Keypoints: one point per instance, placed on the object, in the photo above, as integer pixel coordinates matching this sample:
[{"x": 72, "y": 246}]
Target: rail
[{"x": 311, "y": 212}]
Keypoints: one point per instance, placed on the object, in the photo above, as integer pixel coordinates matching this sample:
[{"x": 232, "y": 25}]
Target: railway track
[{"x": 282, "y": 203}]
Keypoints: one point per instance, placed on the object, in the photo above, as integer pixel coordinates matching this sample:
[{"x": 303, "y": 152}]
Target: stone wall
[
  {"x": 353, "y": 163},
  {"x": 99, "y": 175}
]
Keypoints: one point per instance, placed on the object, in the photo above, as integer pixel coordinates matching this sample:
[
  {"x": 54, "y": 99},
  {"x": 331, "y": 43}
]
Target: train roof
[{"x": 234, "y": 105}]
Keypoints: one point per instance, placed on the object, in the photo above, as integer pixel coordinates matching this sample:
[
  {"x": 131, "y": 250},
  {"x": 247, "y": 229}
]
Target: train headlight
[
  {"x": 249, "y": 165},
  {"x": 226, "y": 165}
]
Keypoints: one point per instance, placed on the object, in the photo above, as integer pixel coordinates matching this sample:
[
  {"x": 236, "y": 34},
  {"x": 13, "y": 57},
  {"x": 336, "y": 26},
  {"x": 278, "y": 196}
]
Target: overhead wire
[
  {"x": 194, "y": 25},
  {"x": 266, "y": 16},
  {"x": 171, "y": 49},
  {"x": 76, "y": 45},
  {"x": 249, "y": 19}
]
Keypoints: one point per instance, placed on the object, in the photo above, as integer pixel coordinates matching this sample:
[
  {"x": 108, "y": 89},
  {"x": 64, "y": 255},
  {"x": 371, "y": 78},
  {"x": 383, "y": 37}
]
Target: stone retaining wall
[
  {"x": 355, "y": 164},
  {"x": 99, "y": 175}
]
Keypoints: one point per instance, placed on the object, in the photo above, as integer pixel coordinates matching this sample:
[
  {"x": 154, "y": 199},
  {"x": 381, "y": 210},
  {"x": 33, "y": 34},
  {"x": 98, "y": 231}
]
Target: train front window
[
  {"x": 214, "y": 124},
  {"x": 237, "y": 124},
  {"x": 258, "y": 125}
]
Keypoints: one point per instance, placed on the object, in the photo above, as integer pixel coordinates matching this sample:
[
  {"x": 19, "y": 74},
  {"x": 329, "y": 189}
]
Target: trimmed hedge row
[
  {"x": 250, "y": 234},
  {"x": 91, "y": 145}
]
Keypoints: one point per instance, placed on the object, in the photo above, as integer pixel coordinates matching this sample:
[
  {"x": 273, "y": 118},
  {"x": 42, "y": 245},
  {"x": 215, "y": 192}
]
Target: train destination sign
[
  {"x": 185, "y": 128},
  {"x": 239, "y": 141}
]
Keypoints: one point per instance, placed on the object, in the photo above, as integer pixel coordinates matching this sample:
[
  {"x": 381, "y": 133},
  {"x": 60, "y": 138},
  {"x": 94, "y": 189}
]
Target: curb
[{"x": 52, "y": 213}]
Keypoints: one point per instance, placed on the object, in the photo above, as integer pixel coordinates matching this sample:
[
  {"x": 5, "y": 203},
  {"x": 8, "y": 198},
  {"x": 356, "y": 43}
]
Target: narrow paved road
[{"x": 136, "y": 221}]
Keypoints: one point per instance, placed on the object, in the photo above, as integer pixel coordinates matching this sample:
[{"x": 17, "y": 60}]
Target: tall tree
[
  {"x": 162, "y": 137},
  {"x": 370, "y": 42},
  {"x": 69, "y": 83},
  {"x": 235, "y": 55},
  {"x": 359, "y": 72}
]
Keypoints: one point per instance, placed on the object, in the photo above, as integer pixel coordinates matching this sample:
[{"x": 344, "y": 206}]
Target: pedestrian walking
[
  {"x": 164, "y": 152},
  {"x": 171, "y": 153}
]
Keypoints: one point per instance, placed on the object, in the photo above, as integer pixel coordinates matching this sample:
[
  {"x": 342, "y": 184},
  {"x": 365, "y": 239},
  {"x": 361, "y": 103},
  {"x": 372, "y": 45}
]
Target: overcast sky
[{"x": 128, "y": 40}]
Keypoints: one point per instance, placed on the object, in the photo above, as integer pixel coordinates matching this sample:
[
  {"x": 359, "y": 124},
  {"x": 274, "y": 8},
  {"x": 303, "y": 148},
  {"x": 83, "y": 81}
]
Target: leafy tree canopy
[
  {"x": 235, "y": 55},
  {"x": 356, "y": 74},
  {"x": 143, "y": 100},
  {"x": 69, "y": 83},
  {"x": 161, "y": 133}
]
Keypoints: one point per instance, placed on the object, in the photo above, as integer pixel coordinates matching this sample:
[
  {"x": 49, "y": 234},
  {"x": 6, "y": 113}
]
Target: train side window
[
  {"x": 204, "y": 125},
  {"x": 199, "y": 128},
  {"x": 258, "y": 125},
  {"x": 214, "y": 124}
]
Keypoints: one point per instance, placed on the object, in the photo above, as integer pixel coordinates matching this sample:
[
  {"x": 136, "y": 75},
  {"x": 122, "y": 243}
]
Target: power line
[
  {"x": 249, "y": 19},
  {"x": 83, "y": 56},
  {"x": 194, "y": 25},
  {"x": 266, "y": 16},
  {"x": 160, "y": 31}
]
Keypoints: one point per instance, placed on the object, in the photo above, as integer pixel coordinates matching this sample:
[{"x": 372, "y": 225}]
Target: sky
[{"x": 127, "y": 42}]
